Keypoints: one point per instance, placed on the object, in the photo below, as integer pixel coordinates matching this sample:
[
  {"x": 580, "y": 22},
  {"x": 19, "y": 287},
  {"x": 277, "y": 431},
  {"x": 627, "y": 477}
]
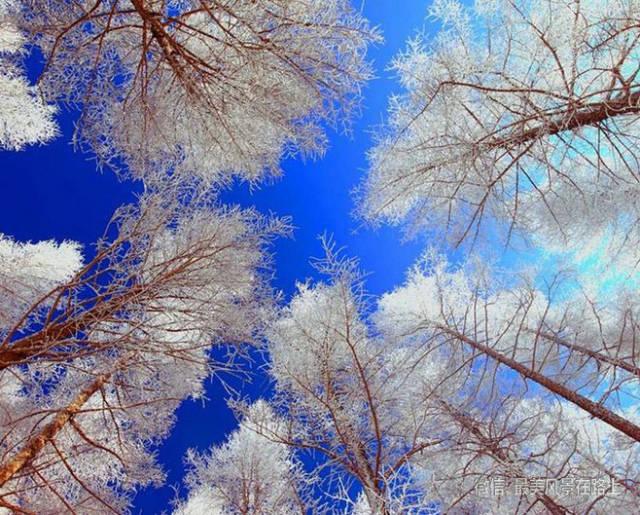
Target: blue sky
[{"x": 52, "y": 192}]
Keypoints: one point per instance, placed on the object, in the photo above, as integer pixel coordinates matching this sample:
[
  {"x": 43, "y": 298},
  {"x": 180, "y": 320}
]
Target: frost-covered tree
[
  {"x": 520, "y": 117},
  {"x": 530, "y": 456},
  {"x": 350, "y": 399},
  {"x": 28, "y": 271},
  {"x": 202, "y": 87},
  {"x": 95, "y": 356},
  {"x": 389, "y": 404},
  {"x": 93, "y": 367},
  {"x": 250, "y": 474},
  {"x": 516, "y": 111},
  {"x": 580, "y": 351},
  {"x": 25, "y": 118}
]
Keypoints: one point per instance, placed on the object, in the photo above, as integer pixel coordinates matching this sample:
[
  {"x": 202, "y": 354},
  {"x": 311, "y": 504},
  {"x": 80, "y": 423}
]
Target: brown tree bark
[
  {"x": 36, "y": 443},
  {"x": 598, "y": 356},
  {"x": 586, "y": 115},
  {"x": 596, "y": 410}
]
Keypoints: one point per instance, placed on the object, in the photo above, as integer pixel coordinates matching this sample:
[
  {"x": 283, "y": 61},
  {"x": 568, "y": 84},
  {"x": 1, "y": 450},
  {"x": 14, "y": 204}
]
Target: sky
[{"x": 55, "y": 192}]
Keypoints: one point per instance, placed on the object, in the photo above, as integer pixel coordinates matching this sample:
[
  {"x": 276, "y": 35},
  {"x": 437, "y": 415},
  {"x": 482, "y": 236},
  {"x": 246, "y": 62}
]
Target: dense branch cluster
[
  {"x": 95, "y": 367},
  {"x": 204, "y": 87},
  {"x": 469, "y": 389},
  {"x": 25, "y": 118},
  {"x": 421, "y": 409},
  {"x": 521, "y": 111}
]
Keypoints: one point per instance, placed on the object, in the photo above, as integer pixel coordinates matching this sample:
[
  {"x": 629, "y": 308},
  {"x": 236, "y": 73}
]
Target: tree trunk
[
  {"x": 591, "y": 353},
  {"x": 587, "y": 115},
  {"x": 593, "y": 408},
  {"x": 50, "y": 431}
]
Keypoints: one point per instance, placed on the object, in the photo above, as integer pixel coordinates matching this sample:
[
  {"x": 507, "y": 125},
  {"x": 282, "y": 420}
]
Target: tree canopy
[{"x": 501, "y": 376}]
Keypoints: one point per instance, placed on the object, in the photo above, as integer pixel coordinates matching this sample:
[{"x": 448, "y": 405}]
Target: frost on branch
[
  {"x": 25, "y": 118},
  {"x": 250, "y": 473},
  {"x": 29, "y": 271},
  {"x": 97, "y": 370},
  {"x": 355, "y": 400},
  {"x": 204, "y": 87},
  {"x": 558, "y": 327},
  {"x": 521, "y": 112},
  {"x": 420, "y": 404}
]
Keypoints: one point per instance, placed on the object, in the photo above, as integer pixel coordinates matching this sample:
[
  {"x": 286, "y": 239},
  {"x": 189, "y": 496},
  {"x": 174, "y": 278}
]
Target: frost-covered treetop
[
  {"x": 516, "y": 111},
  {"x": 249, "y": 474},
  {"x": 29, "y": 271},
  {"x": 25, "y": 118},
  {"x": 206, "y": 88}
]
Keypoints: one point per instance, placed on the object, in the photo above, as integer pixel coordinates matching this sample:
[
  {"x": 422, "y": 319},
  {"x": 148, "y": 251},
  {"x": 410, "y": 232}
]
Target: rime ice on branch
[
  {"x": 250, "y": 473},
  {"x": 203, "y": 87},
  {"x": 95, "y": 365},
  {"x": 25, "y": 118},
  {"x": 422, "y": 403},
  {"x": 524, "y": 112}
]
